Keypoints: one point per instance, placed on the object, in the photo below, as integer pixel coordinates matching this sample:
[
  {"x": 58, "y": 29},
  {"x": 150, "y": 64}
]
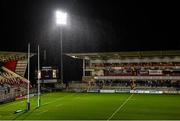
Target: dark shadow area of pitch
[
  {"x": 30, "y": 112},
  {"x": 24, "y": 113}
]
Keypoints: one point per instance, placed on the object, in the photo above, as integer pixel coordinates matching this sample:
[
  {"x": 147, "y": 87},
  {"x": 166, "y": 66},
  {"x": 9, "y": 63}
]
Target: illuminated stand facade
[{"x": 147, "y": 70}]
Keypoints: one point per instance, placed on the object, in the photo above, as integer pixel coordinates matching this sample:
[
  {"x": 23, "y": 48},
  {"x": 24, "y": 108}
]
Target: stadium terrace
[
  {"x": 12, "y": 70},
  {"x": 142, "y": 70}
]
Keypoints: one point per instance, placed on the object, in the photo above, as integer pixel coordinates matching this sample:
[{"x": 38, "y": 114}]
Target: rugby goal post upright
[
  {"x": 28, "y": 100},
  {"x": 39, "y": 76}
]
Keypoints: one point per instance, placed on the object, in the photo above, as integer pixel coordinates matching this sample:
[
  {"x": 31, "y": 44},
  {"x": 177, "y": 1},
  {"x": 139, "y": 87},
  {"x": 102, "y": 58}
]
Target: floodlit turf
[{"x": 94, "y": 106}]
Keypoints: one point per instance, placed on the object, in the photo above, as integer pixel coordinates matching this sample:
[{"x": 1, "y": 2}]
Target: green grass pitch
[{"x": 96, "y": 106}]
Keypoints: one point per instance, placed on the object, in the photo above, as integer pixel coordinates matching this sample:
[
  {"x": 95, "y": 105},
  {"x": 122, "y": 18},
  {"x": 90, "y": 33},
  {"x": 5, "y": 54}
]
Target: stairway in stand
[{"x": 21, "y": 67}]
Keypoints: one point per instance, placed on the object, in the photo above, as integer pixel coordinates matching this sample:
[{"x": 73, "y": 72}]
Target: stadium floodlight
[{"x": 61, "y": 18}]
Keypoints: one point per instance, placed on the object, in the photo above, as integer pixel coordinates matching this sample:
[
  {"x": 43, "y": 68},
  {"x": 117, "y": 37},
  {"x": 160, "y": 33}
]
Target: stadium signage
[
  {"x": 107, "y": 91},
  {"x": 93, "y": 91},
  {"x": 122, "y": 91},
  {"x": 171, "y": 92},
  {"x": 146, "y": 91}
]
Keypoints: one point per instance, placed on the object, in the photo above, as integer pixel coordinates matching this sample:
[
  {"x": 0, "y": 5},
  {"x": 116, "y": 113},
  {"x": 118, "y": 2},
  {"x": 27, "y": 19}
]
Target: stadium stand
[
  {"x": 147, "y": 70},
  {"x": 12, "y": 84}
]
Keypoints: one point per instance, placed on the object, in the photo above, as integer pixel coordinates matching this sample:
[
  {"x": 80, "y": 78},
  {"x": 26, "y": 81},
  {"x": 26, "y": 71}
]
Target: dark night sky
[{"x": 94, "y": 25}]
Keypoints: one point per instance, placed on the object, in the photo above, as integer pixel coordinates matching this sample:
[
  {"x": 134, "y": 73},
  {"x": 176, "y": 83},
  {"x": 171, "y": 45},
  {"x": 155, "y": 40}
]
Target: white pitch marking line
[
  {"x": 59, "y": 105},
  {"x": 42, "y": 112},
  {"x": 61, "y": 98},
  {"x": 120, "y": 107}
]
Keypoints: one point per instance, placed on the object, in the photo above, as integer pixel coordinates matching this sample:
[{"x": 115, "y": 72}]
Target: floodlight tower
[{"x": 61, "y": 20}]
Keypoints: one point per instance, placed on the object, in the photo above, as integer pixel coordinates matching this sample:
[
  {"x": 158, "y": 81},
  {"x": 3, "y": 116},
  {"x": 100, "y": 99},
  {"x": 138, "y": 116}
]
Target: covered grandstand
[
  {"x": 137, "y": 70},
  {"x": 12, "y": 71}
]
